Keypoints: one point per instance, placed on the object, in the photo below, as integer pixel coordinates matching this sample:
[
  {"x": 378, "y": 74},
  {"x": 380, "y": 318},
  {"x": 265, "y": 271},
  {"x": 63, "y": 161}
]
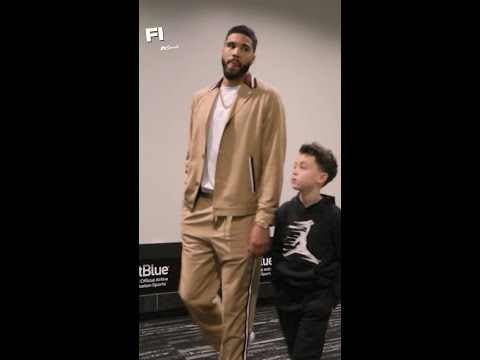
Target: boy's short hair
[
  {"x": 324, "y": 158},
  {"x": 245, "y": 30}
]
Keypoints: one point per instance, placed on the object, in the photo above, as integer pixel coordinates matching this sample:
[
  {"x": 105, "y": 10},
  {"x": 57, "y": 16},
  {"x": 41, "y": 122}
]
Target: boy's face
[{"x": 306, "y": 174}]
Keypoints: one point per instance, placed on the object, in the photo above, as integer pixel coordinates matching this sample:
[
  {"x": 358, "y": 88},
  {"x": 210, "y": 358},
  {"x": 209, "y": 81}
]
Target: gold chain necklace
[{"x": 223, "y": 101}]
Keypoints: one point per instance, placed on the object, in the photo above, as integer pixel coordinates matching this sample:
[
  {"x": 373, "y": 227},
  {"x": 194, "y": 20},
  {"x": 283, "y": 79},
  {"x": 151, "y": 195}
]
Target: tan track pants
[{"x": 214, "y": 253}]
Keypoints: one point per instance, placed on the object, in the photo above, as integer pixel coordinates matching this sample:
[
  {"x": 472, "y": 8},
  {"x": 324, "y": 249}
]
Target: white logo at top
[{"x": 155, "y": 31}]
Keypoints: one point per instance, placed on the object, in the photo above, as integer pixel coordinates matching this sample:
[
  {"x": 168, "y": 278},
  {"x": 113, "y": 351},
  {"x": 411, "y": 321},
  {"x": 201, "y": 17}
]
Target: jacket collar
[{"x": 249, "y": 80}]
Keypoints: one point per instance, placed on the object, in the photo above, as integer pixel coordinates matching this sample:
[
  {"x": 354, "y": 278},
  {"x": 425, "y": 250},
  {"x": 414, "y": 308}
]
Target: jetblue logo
[
  {"x": 151, "y": 270},
  {"x": 267, "y": 261}
]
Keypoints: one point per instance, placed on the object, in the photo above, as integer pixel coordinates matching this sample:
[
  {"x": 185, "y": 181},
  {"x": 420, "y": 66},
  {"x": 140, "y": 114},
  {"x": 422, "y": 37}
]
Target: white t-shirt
[{"x": 223, "y": 104}]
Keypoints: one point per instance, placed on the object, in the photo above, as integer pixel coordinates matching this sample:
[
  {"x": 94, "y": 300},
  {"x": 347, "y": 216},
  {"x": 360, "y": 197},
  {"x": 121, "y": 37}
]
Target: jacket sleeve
[
  {"x": 273, "y": 158},
  {"x": 190, "y": 125}
]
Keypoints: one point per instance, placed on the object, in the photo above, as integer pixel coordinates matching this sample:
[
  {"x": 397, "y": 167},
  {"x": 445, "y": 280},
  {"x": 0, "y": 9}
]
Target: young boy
[{"x": 306, "y": 254}]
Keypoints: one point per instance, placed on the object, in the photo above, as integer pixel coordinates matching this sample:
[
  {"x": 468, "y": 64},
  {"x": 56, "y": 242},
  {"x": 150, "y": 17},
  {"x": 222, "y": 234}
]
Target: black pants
[{"x": 304, "y": 319}]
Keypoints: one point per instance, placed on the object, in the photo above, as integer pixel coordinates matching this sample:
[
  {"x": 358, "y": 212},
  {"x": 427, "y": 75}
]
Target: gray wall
[{"x": 298, "y": 53}]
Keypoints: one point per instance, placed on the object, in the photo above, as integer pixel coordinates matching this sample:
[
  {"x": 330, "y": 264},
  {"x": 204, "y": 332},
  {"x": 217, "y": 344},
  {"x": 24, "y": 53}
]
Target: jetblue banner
[
  {"x": 159, "y": 268},
  {"x": 266, "y": 272},
  {"x": 158, "y": 275}
]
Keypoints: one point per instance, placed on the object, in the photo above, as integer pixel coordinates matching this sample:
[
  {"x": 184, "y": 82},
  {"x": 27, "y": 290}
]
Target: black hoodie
[{"x": 306, "y": 245}]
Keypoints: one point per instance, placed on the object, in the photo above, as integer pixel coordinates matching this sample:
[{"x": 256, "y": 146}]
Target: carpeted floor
[{"x": 176, "y": 338}]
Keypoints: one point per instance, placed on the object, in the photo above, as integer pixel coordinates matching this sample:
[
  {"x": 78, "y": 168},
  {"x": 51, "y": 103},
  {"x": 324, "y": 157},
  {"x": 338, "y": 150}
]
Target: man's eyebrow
[{"x": 235, "y": 43}]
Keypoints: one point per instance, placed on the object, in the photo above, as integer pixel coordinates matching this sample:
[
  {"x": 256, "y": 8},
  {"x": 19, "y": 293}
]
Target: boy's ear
[{"x": 322, "y": 178}]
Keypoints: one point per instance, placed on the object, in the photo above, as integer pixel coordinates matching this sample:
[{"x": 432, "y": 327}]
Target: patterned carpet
[{"x": 176, "y": 338}]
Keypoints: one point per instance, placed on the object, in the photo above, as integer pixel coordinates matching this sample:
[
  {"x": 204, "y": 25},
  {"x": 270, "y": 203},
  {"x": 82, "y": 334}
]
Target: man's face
[{"x": 237, "y": 55}]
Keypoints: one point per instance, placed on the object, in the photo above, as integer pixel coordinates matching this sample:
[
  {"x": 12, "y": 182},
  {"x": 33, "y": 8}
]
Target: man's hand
[{"x": 259, "y": 241}]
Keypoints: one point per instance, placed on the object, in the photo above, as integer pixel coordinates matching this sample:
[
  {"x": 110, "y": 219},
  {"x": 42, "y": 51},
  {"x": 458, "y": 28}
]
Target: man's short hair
[{"x": 245, "y": 30}]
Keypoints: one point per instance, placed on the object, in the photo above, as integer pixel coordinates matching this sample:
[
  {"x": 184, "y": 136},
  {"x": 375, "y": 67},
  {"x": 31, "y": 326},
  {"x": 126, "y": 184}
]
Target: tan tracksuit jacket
[{"x": 249, "y": 170}]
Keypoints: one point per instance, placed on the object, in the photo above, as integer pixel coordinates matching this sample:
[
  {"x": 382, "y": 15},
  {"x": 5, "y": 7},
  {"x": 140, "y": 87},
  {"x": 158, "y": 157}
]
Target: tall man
[{"x": 233, "y": 181}]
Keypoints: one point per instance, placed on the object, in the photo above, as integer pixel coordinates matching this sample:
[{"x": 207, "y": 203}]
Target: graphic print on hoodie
[{"x": 297, "y": 242}]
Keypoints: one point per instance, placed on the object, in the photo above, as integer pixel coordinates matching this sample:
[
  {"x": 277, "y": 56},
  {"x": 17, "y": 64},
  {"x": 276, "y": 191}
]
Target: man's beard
[{"x": 237, "y": 73}]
